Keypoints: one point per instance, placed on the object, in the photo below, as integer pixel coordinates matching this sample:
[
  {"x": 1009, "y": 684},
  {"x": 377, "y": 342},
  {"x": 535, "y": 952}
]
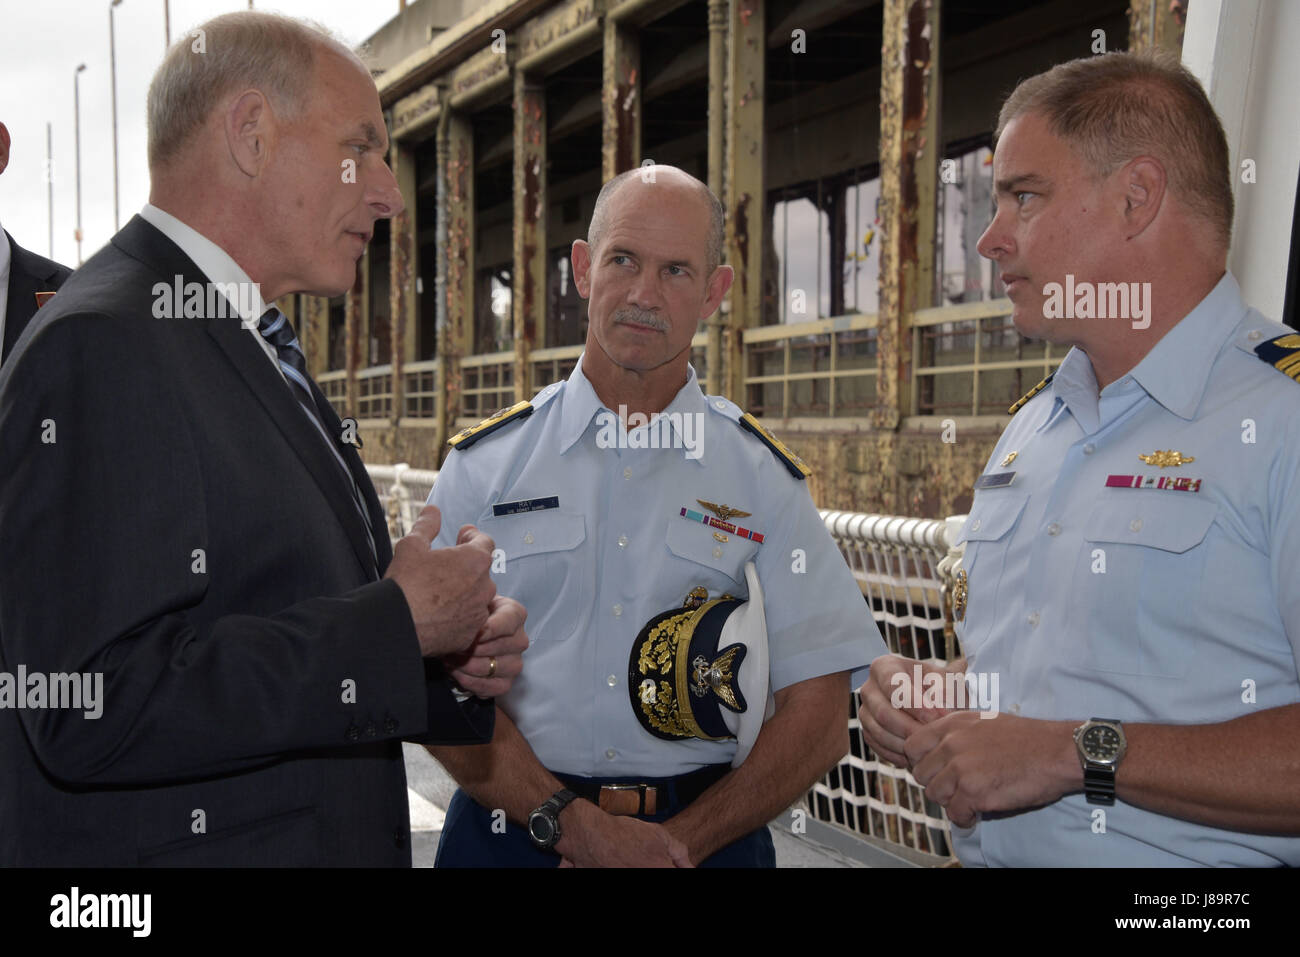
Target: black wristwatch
[
  {"x": 544, "y": 823},
  {"x": 1101, "y": 744}
]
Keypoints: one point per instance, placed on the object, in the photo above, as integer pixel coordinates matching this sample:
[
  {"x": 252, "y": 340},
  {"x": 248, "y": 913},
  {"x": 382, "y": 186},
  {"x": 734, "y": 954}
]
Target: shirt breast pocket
[
  {"x": 1142, "y": 548},
  {"x": 718, "y": 566},
  {"x": 987, "y": 534},
  {"x": 538, "y": 563}
]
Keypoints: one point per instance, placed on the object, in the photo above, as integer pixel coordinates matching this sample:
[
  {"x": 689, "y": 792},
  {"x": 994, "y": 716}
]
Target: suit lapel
[
  {"x": 26, "y": 279},
  {"x": 145, "y": 243},
  {"x": 374, "y": 510}
]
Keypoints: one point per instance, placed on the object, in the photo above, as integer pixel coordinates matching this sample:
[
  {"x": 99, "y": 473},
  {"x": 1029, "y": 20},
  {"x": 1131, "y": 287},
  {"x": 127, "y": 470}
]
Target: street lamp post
[
  {"x": 112, "y": 72},
  {"x": 49, "y": 180},
  {"x": 76, "y": 101}
]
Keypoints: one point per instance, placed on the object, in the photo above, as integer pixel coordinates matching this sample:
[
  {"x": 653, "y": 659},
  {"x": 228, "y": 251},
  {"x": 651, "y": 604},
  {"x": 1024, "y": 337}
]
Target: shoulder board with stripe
[
  {"x": 1283, "y": 354},
  {"x": 796, "y": 465},
  {"x": 467, "y": 437},
  {"x": 1020, "y": 402}
]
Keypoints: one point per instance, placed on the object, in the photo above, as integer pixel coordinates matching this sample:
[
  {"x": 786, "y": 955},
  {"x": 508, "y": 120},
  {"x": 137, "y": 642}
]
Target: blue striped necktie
[{"x": 275, "y": 329}]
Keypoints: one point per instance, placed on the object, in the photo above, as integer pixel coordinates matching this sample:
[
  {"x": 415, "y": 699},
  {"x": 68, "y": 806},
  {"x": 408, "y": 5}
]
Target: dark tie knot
[{"x": 275, "y": 328}]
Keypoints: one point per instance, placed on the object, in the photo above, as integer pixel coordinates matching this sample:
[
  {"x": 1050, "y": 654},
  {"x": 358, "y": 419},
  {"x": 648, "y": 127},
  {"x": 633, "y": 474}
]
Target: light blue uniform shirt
[
  {"x": 1142, "y": 604},
  {"x": 616, "y": 552}
]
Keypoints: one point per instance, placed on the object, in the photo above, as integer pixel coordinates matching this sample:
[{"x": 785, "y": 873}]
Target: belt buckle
[{"x": 628, "y": 799}]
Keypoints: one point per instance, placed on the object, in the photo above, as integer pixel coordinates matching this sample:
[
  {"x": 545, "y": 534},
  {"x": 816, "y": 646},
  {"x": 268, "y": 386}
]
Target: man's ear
[
  {"x": 4, "y": 147},
  {"x": 580, "y": 257},
  {"x": 1144, "y": 183},
  {"x": 719, "y": 283},
  {"x": 249, "y": 126}
]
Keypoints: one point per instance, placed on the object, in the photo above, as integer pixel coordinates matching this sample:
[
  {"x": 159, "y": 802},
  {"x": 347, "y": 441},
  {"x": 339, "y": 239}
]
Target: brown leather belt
[{"x": 650, "y": 796}]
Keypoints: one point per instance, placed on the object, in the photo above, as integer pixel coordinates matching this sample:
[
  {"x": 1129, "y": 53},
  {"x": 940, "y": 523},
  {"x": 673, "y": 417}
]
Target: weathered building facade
[{"x": 850, "y": 142}]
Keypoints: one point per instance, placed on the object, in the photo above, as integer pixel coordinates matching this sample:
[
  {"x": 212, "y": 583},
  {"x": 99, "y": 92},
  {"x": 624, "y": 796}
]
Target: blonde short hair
[{"x": 1117, "y": 106}]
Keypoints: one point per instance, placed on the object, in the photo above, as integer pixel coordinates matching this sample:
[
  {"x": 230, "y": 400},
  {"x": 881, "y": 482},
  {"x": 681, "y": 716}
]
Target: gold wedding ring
[{"x": 492, "y": 666}]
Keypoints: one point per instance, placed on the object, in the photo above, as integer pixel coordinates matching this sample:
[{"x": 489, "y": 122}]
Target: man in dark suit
[
  {"x": 184, "y": 538},
  {"x": 24, "y": 276}
]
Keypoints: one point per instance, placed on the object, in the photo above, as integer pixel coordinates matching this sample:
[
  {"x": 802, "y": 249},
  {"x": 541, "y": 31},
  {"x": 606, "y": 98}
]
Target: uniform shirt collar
[
  {"x": 1175, "y": 372},
  {"x": 581, "y": 404}
]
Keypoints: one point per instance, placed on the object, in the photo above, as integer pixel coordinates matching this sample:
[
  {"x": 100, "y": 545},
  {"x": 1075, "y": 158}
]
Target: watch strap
[
  {"x": 1099, "y": 779},
  {"x": 550, "y": 811},
  {"x": 558, "y": 801}
]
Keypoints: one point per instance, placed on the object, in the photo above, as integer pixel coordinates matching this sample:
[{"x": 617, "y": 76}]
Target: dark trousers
[{"x": 469, "y": 840}]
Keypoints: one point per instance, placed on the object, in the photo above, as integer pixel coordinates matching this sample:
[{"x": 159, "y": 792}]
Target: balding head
[{"x": 669, "y": 177}]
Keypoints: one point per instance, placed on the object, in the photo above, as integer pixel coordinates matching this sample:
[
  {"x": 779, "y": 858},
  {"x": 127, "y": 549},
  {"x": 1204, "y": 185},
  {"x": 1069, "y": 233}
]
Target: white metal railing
[
  {"x": 402, "y": 492},
  {"x": 904, "y": 568}
]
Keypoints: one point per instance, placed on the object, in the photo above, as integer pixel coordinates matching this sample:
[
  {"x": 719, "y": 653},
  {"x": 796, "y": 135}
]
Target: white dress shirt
[
  {"x": 5, "y": 258},
  {"x": 217, "y": 265}
]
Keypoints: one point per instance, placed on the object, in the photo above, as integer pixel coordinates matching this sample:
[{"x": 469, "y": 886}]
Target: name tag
[
  {"x": 994, "y": 480},
  {"x": 526, "y": 505}
]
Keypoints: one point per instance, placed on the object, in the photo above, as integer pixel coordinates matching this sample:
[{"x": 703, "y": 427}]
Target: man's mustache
[{"x": 640, "y": 317}]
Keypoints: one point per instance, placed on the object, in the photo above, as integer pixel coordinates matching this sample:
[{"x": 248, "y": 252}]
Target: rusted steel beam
[
  {"x": 559, "y": 35},
  {"x": 620, "y": 101},
  {"x": 640, "y": 12},
  {"x": 441, "y": 230},
  {"x": 313, "y": 334},
  {"x": 482, "y": 75},
  {"x": 455, "y": 45},
  {"x": 528, "y": 277},
  {"x": 745, "y": 199},
  {"x": 403, "y": 269},
  {"x": 356, "y": 329},
  {"x": 717, "y": 164},
  {"x": 909, "y": 149},
  {"x": 455, "y": 337},
  {"x": 413, "y": 114}
]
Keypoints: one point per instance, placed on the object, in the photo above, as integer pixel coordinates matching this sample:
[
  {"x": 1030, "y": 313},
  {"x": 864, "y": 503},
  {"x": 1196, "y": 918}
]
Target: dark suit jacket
[
  {"x": 131, "y": 443},
  {"x": 28, "y": 275}
]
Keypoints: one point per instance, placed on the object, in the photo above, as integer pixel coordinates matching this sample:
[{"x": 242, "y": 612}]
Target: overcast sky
[{"x": 41, "y": 43}]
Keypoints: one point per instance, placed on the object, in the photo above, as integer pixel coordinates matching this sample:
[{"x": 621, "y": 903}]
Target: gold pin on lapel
[
  {"x": 1166, "y": 458},
  {"x": 1011, "y": 457}
]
